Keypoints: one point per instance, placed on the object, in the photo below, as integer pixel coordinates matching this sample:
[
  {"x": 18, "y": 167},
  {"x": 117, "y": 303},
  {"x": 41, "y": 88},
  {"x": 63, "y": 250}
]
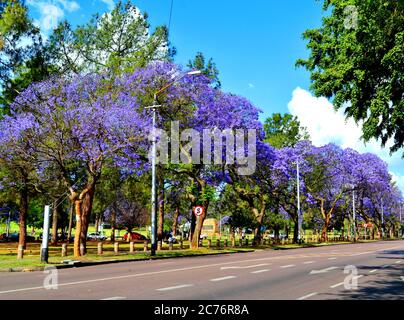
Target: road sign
[{"x": 198, "y": 211}]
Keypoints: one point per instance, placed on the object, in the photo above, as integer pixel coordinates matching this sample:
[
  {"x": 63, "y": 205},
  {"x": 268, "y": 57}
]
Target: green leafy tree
[
  {"x": 208, "y": 68},
  {"x": 118, "y": 41},
  {"x": 357, "y": 59},
  {"x": 23, "y": 57},
  {"x": 284, "y": 130}
]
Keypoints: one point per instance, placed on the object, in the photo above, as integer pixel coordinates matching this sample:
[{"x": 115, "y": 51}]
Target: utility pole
[
  {"x": 45, "y": 236},
  {"x": 299, "y": 218},
  {"x": 382, "y": 218},
  {"x": 354, "y": 214}
]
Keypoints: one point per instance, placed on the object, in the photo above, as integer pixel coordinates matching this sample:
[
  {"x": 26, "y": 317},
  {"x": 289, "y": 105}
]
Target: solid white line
[
  {"x": 260, "y": 271},
  {"x": 288, "y": 266},
  {"x": 115, "y": 298},
  {"x": 308, "y": 296},
  {"x": 308, "y": 262},
  {"x": 223, "y": 278},
  {"x": 337, "y": 285},
  {"x": 175, "y": 287},
  {"x": 373, "y": 271}
]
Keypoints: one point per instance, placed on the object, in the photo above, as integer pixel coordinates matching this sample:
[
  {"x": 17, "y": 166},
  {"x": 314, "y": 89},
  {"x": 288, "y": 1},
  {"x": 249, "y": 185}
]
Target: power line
[{"x": 171, "y": 13}]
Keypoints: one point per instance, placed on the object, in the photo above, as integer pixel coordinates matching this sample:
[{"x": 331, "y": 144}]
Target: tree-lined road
[{"x": 309, "y": 273}]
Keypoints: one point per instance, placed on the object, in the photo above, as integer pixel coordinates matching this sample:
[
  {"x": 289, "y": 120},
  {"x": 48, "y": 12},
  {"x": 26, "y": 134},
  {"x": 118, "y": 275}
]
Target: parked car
[
  {"x": 169, "y": 238},
  {"x": 96, "y": 236},
  {"x": 15, "y": 236},
  {"x": 134, "y": 236}
]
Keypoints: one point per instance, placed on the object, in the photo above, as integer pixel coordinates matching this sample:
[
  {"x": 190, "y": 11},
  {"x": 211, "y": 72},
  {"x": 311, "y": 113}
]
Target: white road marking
[
  {"x": 246, "y": 267},
  {"x": 385, "y": 266},
  {"x": 223, "y": 278},
  {"x": 260, "y": 271},
  {"x": 308, "y": 296},
  {"x": 115, "y": 298},
  {"x": 288, "y": 266},
  {"x": 402, "y": 278},
  {"x": 308, "y": 262},
  {"x": 399, "y": 261},
  {"x": 323, "y": 270},
  {"x": 373, "y": 271},
  {"x": 337, "y": 285},
  {"x": 333, "y": 258},
  {"x": 175, "y": 287}
]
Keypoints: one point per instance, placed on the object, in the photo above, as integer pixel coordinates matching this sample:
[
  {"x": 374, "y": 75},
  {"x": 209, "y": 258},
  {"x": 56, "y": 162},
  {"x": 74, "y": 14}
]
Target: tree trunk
[
  {"x": 54, "y": 223},
  {"x": 69, "y": 232},
  {"x": 259, "y": 219},
  {"x": 96, "y": 226},
  {"x": 324, "y": 232},
  {"x": 23, "y": 217},
  {"x": 160, "y": 226},
  {"x": 113, "y": 224},
  {"x": 77, "y": 238},
  {"x": 175, "y": 220},
  {"x": 198, "y": 228},
  {"x": 87, "y": 206}
]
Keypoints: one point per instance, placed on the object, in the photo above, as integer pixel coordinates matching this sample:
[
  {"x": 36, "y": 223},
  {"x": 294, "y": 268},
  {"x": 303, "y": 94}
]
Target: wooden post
[
  {"x": 170, "y": 246},
  {"x": 209, "y": 243},
  {"x": 64, "y": 249},
  {"x": 145, "y": 245},
  {"x": 233, "y": 242},
  {"x": 159, "y": 245},
  {"x": 20, "y": 253},
  {"x": 225, "y": 243},
  {"x": 116, "y": 247},
  {"x": 131, "y": 247},
  {"x": 240, "y": 242},
  {"x": 218, "y": 243},
  {"x": 99, "y": 248},
  {"x": 181, "y": 244},
  {"x": 246, "y": 242}
]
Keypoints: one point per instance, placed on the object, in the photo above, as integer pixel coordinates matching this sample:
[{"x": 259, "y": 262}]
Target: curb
[{"x": 79, "y": 264}]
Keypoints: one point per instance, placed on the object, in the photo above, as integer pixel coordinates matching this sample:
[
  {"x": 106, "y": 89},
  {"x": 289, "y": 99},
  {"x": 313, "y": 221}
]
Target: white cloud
[
  {"x": 250, "y": 85},
  {"x": 109, "y": 3},
  {"x": 51, "y": 12},
  {"x": 325, "y": 125}
]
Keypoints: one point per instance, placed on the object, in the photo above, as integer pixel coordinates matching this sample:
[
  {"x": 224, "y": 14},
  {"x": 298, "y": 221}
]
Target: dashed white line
[
  {"x": 308, "y": 262},
  {"x": 385, "y": 266},
  {"x": 288, "y": 266},
  {"x": 399, "y": 261},
  {"x": 223, "y": 278},
  {"x": 308, "y": 296},
  {"x": 337, "y": 285},
  {"x": 115, "y": 298},
  {"x": 333, "y": 258},
  {"x": 373, "y": 271},
  {"x": 260, "y": 271},
  {"x": 175, "y": 287}
]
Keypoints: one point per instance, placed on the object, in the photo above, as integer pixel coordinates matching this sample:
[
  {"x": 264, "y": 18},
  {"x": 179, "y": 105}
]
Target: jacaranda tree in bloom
[{"x": 79, "y": 124}]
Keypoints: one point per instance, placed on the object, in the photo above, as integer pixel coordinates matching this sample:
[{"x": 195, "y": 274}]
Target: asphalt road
[{"x": 355, "y": 271}]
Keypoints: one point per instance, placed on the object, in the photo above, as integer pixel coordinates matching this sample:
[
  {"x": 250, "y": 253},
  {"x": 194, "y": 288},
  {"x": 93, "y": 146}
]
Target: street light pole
[
  {"x": 299, "y": 218},
  {"x": 382, "y": 218},
  {"x": 354, "y": 214},
  {"x": 154, "y": 164}
]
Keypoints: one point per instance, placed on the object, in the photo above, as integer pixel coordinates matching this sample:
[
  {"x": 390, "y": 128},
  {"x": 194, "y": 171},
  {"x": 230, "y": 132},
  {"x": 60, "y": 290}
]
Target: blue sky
[{"x": 255, "y": 45}]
